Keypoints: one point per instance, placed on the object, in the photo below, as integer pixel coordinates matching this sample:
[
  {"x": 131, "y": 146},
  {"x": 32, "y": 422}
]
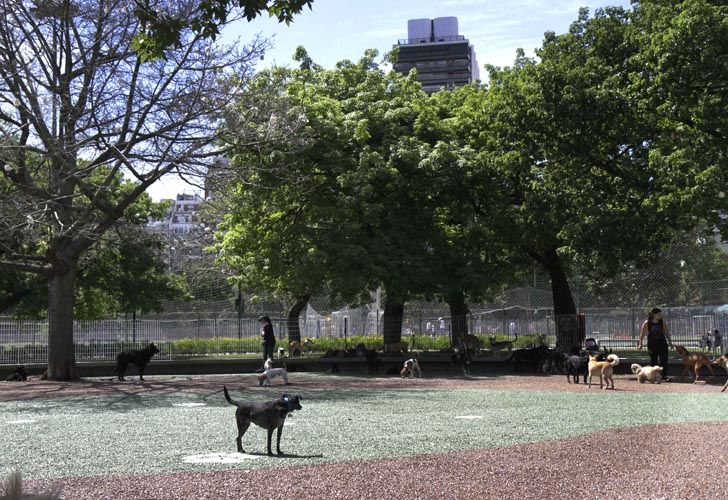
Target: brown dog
[
  {"x": 694, "y": 360},
  {"x": 471, "y": 342},
  {"x": 722, "y": 361},
  {"x": 399, "y": 348},
  {"x": 299, "y": 347}
]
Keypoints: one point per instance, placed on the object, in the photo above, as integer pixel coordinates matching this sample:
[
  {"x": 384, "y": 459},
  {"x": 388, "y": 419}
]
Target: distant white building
[
  {"x": 182, "y": 217},
  {"x": 181, "y": 229}
]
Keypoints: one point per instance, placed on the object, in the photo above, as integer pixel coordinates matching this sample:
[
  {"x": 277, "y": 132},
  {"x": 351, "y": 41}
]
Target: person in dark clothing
[
  {"x": 658, "y": 340},
  {"x": 269, "y": 338}
]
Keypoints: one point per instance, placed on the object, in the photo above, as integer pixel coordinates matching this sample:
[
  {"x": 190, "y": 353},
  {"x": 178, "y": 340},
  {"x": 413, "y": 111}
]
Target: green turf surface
[{"x": 146, "y": 434}]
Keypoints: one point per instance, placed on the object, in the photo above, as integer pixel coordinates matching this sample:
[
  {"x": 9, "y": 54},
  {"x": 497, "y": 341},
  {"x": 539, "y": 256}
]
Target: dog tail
[
  {"x": 227, "y": 396},
  {"x": 635, "y": 368},
  {"x": 613, "y": 359}
]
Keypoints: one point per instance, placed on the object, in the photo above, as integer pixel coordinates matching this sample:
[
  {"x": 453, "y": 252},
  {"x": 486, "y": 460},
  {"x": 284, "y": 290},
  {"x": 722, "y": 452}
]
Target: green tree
[
  {"x": 341, "y": 203},
  {"x": 571, "y": 154},
  {"x": 165, "y": 27},
  {"x": 680, "y": 80},
  {"x": 470, "y": 260}
]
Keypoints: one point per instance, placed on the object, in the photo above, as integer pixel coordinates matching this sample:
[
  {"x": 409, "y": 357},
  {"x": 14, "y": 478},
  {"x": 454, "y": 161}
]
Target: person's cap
[{"x": 656, "y": 310}]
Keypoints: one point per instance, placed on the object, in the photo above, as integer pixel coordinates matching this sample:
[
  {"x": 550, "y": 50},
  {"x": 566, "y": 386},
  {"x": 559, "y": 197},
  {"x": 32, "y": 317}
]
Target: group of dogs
[{"x": 271, "y": 415}]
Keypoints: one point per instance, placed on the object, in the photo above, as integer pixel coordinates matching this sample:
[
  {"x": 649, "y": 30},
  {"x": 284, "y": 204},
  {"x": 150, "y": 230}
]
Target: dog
[
  {"x": 138, "y": 357},
  {"x": 281, "y": 352},
  {"x": 552, "y": 361},
  {"x": 271, "y": 373},
  {"x": 605, "y": 370},
  {"x": 461, "y": 359},
  {"x": 532, "y": 355},
  {"x": 694, "y": 360},
  {"x": 409, "y": 368},
  {"x": 271, "y": 415},
  {"x": 374, "y": 363},
  {"x": 652, "y": 374},
  {"x": 268, "y": 364},
  {"x": 575, "y": 365},
  {"x": 722, "y": 361},
  {"x": 19, "y": 375},
  {"x": 502, "y": 345},
  {"x": 471, "y": 343},
  {"x": 296, "y": 348},
  {"x": 397, "y": 348}
]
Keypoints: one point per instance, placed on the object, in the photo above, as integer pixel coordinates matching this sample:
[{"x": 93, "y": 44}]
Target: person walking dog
[
  {"x": 658, "y": 340},
  {"x": 269, "y": 338}
]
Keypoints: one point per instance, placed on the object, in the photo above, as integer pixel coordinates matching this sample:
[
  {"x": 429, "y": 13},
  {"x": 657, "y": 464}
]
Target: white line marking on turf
[
  {"x": 219, "y": 458},
  {"x": 22, "y": 421},
  {"x": 469, "y": 417},
  {"x": 188, "y": 405}
]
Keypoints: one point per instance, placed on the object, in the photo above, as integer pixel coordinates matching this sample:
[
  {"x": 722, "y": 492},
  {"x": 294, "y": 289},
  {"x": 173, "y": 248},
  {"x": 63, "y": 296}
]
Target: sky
[{"x": 342, "y": 29}]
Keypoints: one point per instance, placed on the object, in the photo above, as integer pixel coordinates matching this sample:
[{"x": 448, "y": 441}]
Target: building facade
[{"x": 442, "y": 57}]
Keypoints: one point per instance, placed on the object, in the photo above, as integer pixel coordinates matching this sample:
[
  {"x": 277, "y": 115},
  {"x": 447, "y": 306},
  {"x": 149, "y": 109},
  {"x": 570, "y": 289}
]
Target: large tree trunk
[
  {"x": 567, "y": 323},
  {"x": 458, "y": 316},
  {"x": 294, "y": 328},
  {"x": 61, "y": 351},
  {"x": 392, "y": 319}
]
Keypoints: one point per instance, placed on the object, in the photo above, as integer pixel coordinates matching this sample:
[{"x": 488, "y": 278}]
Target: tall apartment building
[
  {"x": 443, "y": 57},
  {"x": 181, "y": 229}
]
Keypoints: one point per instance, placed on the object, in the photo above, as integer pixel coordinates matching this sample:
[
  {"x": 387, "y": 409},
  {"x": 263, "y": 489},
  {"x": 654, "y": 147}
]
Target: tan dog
[
  {"x": 722, "y": 361},
  {"x": 471, "y": 342},
  {"x": 396, "y": 348},
  {"x": 694, "y": 360},
  {"x": 652, "y": 374},
  {"x": 301, "y": 347},
  {"x": 605, "y": 370},
  {"x": 503, "y": 345}
]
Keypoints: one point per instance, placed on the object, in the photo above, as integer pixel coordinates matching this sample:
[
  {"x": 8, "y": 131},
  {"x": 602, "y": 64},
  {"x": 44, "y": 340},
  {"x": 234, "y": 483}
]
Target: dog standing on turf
[
  {"x": 651, "y": 374},
  {"x": 575, "y": 365},
  {"x": 138, "y": 357},
  {"x": 409, "y": 368},
  {"x": 605, "y": 370},
  {"x": 694, "y": 360},
  {"x": 271, "y": 415}
]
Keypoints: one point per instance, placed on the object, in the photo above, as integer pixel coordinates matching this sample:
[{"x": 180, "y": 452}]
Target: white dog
[
  {"x": 265, "y": 377},
  {"x": 409, "y": 368},
  {"x": 268, "y": 364},
  {"x": 651, "y": 374}
]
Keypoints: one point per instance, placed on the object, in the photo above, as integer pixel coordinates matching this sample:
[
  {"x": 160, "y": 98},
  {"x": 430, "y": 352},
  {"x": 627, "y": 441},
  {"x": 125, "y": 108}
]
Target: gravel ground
[
  {"x": 667, "y": 461},
  {"x": 682, "y": 460},
  {"x": 35, "y": 388}
]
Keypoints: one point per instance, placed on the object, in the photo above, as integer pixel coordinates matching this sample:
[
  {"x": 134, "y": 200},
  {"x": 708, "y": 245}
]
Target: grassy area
[{"x": 148, "y": 434}]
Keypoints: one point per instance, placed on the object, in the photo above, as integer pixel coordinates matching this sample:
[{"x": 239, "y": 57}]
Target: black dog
[
  {"x": 576, "y": 365},
  {"x": 20, "y": 375},
  {"x": 269, "y": 416},
  {"x": 373, "y": 362},
  {"x": 533, "y": 355},
  {"x": 460, "y": 359},
  {"x": 138, "y": 357}
]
